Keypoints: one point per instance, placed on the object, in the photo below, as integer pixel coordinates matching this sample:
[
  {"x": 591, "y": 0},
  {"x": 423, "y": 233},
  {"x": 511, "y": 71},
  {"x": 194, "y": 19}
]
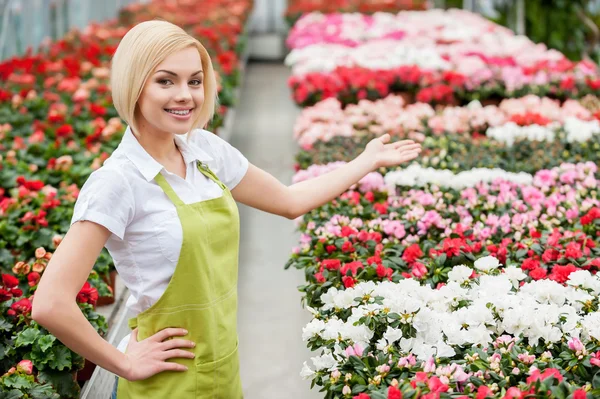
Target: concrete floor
[{"x": 270, "y": 314}]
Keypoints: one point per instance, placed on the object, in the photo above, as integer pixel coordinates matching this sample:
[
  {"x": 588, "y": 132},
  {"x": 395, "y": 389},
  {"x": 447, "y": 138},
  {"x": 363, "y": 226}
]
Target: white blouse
[{"x": 146, "y": 233}]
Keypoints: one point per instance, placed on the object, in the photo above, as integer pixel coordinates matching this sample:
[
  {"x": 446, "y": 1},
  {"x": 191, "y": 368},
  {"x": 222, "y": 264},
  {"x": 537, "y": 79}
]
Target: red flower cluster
[
  {"x": 530, "y": 118},
  {"x": 295, "y": 8},
  {"x": 10, "y": 288},
  {"x": 351, "y": 84}
]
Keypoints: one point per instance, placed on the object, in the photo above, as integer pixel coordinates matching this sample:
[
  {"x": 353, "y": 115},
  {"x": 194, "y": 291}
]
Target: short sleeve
[
  {"x": 106, "y": 199},
  {"x": 230, "y": 165}
]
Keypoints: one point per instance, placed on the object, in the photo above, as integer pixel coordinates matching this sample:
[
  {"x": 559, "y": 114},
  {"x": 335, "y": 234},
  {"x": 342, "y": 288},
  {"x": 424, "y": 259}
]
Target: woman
[{"x": 164, "y": 206}]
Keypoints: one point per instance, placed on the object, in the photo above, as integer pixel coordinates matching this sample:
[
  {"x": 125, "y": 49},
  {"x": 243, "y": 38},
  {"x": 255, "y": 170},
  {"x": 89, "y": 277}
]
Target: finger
[
  {"x": 173, "y": 353},
  {"x": 409, "y": 156},
  {"x": 402, "y": 144},
  {"x": 385, "y": 138},
  {"x": 134, "y": 335},
  {"x": 169, "y": 332},
  {"x": 170, "y": 366},
  {"x": 176, "y": 343}
]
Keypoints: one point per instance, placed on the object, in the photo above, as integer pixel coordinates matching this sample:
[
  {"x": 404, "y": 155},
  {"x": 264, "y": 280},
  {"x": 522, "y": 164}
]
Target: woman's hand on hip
[{"x": 149, "y": 356}]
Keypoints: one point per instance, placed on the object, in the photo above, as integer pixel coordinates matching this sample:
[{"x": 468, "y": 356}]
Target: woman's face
[{"x": 173, "y": 94}]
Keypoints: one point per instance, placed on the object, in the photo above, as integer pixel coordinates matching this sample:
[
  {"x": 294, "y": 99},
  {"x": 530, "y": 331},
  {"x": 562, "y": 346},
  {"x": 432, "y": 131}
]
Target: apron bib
[{"x": 201, "y": 298}]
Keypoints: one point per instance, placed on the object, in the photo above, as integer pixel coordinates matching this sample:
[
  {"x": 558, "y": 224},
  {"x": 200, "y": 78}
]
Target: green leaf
[
  {"x": 359, "y": 388},
  {"x": 5, "y": 325},
  {"x": 63, "y": 383},
  {"x": 62, "y": 358},
  {"x": 27, "y": 337},
  {"x": 18, "y": 381},
  {"x": 46, "y": 342},
  {"x": 13, "y": 394},
  {"x": 596, "y": 380},
  {"x": 43, "y": 392}
]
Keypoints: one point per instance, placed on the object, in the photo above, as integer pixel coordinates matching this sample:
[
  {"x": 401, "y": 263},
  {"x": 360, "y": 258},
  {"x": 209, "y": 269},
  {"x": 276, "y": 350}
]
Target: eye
[
  {"x": 196, "y": 82},
  {"x": 164, "y": 81}
]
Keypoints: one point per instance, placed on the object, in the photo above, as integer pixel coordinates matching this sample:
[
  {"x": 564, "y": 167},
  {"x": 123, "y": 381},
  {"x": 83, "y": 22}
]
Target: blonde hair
[{"x": 140, "y": 51}]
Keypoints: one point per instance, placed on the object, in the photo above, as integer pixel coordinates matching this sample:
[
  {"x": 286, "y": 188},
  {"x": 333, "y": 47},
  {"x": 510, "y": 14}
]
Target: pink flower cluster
[{"x": 328, "y": 119}]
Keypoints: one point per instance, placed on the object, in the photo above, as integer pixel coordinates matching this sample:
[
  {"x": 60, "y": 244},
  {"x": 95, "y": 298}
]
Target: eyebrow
[{"x": 174, "y": 74}]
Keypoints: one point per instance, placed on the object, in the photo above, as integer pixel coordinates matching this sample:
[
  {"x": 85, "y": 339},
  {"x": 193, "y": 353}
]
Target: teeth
[{"x": 179, "y": 112}]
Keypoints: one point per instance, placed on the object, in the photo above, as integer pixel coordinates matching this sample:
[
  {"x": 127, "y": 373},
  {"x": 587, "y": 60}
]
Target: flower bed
[
  {"x": 58, "y": 125},
  {"x": 435, "y": 56},
  {"x": 471, "y": 273},
  {"x": 458, "y": 138},
  {"x": 33, "y": 363},
  {"x": 296, "y": 8}
]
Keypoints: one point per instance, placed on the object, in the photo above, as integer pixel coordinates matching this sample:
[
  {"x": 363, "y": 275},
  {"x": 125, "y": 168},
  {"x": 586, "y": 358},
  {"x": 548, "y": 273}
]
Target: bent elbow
[{"x": 41, "y": 310}]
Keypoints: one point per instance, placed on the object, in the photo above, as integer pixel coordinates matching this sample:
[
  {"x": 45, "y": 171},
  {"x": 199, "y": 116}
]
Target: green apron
[{"x": 201, "y": 298}]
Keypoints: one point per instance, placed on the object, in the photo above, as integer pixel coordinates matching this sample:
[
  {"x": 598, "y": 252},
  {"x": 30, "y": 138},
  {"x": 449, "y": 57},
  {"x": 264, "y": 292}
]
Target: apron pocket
[{"x": 219, "y": 379}]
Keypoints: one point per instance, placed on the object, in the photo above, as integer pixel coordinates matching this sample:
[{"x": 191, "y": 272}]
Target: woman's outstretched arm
[
  {"x": 261, "y": 190},
  {"x": 55, "y": 308}
]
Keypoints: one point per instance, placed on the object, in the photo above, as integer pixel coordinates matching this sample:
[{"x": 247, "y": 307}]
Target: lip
[{"x": 180, "y": 117}]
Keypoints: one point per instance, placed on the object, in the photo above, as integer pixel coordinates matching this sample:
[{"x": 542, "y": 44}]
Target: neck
[{"x": 160, "y": 145}]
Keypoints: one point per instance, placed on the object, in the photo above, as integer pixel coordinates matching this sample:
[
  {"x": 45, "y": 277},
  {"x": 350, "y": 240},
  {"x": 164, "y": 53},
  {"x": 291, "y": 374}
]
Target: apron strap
[
  {"x": 205, "y": 170},
  {"x": 132, "y": 323},
  {"x": 162, "y": 182}
]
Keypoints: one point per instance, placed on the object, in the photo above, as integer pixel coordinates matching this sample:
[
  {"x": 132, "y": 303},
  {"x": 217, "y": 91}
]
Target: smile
[{"x": 182, "y": 112}]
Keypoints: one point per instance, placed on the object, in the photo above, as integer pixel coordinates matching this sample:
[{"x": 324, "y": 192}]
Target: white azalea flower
[
  {"x": 324, "y": 362},
  {"x": 306, "y": 372},
  {"x": 460, "y": 274},
  {"x": 392, "y": 334},
  {"x": 487, "y": 263}
]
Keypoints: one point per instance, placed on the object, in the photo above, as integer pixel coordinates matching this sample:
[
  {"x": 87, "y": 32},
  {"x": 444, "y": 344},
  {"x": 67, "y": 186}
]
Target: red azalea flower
[
  {"x": 381, "y": 208},
  {"x": 530, "y": 264},
  {"x": 22, "y": 306},
  {"x": 580, "y": 394},
  {"x": 88, "y": 294},
  {"x": 376, "y": 259},
  {"x": 538, "y": 273},
  {"x": 9, "y": 281},
  {"x": 418, "y": 270},
  {"x": 33, "y": 278},
  {"x": 550, "y": 372},
  {"x": 362, "y": 396},
  {"x": 394, "y": 393},
  {"x": 383, "y": 271},
  {"x": 348, "y": 281},
  {"x": 353, "y": 267},
  {"x": 436, "y": 385},
  {"x": 483, "y": 392},
  {"x": 347, "y": 231},
  {"x": 573, "y": 251},
  {"x": 319, "y": 277},
  {"x": 347, "y": 247},
  {"x": 331, "y": 264},
  {"x": 560, "y": 274},
  {"x": 513, "y": 393},
  {"x": 412, "y": 253},
  {"x": 5, "y": 294}
]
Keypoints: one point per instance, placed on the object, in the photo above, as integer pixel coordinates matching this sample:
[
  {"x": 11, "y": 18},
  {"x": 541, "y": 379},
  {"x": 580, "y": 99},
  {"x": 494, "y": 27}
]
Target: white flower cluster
[
  {"x": 541, "y": 312},
  {"x": 416, "y": 175},
  {"x": 577, "y": 130},
  {"x": 384, "y": 54},
  {"x": 510, "y": 132}
]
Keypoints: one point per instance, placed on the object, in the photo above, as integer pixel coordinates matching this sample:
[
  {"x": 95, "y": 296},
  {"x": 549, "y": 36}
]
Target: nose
[{"x": 183, "y": 94}]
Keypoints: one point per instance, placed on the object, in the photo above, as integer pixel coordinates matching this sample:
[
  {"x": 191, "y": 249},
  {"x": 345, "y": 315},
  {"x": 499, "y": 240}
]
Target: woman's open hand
[
  {"x": 383, "y": 154},
  {"x": 149, "y": 356}
]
